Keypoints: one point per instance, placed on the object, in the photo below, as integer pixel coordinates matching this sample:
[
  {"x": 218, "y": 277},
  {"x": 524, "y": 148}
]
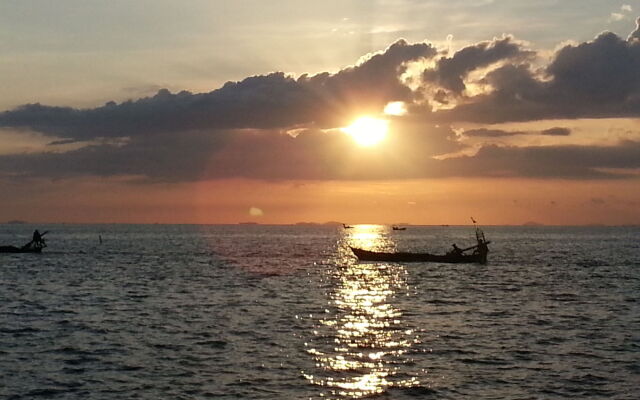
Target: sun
[{"x": 367, "y": 131}]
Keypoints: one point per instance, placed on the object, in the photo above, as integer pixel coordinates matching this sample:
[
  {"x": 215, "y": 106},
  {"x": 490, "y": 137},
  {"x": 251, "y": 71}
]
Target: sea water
[{"x": 286, "y": 312}]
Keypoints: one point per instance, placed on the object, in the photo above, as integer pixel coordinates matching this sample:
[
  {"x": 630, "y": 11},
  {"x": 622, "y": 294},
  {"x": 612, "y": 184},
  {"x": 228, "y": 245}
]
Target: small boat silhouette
[{"x": 34, "y": 246}]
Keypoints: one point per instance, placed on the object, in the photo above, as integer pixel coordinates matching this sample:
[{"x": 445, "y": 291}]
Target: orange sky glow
[{"x": 428, "y": 202}]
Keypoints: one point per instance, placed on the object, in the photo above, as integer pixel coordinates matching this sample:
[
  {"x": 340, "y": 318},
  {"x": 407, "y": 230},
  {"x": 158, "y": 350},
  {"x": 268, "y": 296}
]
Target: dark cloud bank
[
  {"x": 493, "y": 133},
  {"x": 239, "y": 130}
]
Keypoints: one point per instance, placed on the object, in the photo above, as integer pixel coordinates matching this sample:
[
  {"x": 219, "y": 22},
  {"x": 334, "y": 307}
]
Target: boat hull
[
  {"x": 14, "y": 249},
  {"x": 366, "y": 255}
]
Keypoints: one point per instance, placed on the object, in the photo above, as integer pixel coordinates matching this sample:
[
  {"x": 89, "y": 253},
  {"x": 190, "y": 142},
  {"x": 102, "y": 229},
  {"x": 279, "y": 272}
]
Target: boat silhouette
[
  {"x": 34, "y": 246},
  {"x": 455, "y": 256}
]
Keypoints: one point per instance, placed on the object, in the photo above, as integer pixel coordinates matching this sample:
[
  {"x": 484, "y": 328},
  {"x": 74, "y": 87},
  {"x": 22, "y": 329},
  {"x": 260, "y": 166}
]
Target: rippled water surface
[{"x": 286, "y": 312}]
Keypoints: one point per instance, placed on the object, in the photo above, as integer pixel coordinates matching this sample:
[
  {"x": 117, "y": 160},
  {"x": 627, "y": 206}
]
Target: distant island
[
  {"x": 16, "y": 222},
  {"x": 247, "y": 223}
]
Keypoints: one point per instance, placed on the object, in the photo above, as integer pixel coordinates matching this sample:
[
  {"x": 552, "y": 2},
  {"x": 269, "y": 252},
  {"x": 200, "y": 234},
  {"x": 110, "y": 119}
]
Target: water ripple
[{"x": 258, "y": 312}]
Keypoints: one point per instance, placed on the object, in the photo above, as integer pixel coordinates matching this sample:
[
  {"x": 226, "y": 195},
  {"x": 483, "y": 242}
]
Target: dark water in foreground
[{"x": 285, "y": 312}]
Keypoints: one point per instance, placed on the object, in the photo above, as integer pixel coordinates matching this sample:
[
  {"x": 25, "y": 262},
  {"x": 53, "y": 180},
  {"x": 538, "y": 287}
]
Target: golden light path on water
[{"x": 360, "y": 344}]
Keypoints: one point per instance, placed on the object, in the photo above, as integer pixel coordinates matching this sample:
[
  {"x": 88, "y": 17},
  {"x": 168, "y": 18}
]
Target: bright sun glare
[{"x": 367, "y": 131}]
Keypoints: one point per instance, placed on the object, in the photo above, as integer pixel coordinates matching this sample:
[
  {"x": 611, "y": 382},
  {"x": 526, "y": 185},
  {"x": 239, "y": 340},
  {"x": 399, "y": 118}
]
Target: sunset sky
[{"x": 369, "y": 111}]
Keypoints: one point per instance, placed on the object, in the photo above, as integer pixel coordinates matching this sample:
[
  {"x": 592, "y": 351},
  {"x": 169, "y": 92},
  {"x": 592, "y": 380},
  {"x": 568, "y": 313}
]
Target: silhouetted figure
[
  {"x": 37, "y": 238},
  {"x": 456, "y": 250},
  {"x": 482, "y": 247},
  {"x": 37, "y": 241}
]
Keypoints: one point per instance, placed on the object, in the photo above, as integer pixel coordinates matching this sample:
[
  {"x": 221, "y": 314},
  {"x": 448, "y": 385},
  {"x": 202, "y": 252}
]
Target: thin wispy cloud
[{"x": 616, "y": 16}]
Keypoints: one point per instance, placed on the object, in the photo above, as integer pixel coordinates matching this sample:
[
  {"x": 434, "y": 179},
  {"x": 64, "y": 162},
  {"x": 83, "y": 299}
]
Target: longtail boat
[
  {"x": 450, "y": 258},
  {"x": 456, "y": 256}
]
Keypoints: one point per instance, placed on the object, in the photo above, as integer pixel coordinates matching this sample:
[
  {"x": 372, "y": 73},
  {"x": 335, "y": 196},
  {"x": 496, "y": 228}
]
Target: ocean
[{"x": 286, "y": 312}]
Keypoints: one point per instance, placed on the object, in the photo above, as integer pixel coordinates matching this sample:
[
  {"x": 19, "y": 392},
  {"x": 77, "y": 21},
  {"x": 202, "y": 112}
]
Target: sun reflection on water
[
  {"x": 369, "y": 237},
  {"x": 360, "y": 346}
]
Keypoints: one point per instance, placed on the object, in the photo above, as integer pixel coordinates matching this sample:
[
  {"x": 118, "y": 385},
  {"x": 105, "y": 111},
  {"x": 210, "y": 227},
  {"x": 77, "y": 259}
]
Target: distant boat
[
  {"x": 456, "y": 256},
  {"x": 345, "y": 226},
  {"x": 398, "y": 228}
]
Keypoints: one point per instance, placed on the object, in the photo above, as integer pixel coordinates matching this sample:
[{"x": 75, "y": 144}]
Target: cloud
[
  {"x": 266, "y": 102},
  {"x": 248, "y": 153},
  {"x": 240, "y": 129},
  {"x": 605, "y": 70},
  {"x": 449, "y": 72},
  {"x": 494, "y": 133},
  {"x": 595, "y": 79},
  {"x": 556, "y": 132},
  {"x": 635, "y": 35},
  {"x": 164, "y": 157},
  {"x": 566, "y": 161},
  {"x": 616, "y": 17},
  {"x": 61, "y": 142},
  {"x": 317, "y": 155},
  {"x": 491, "y": 133}
]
